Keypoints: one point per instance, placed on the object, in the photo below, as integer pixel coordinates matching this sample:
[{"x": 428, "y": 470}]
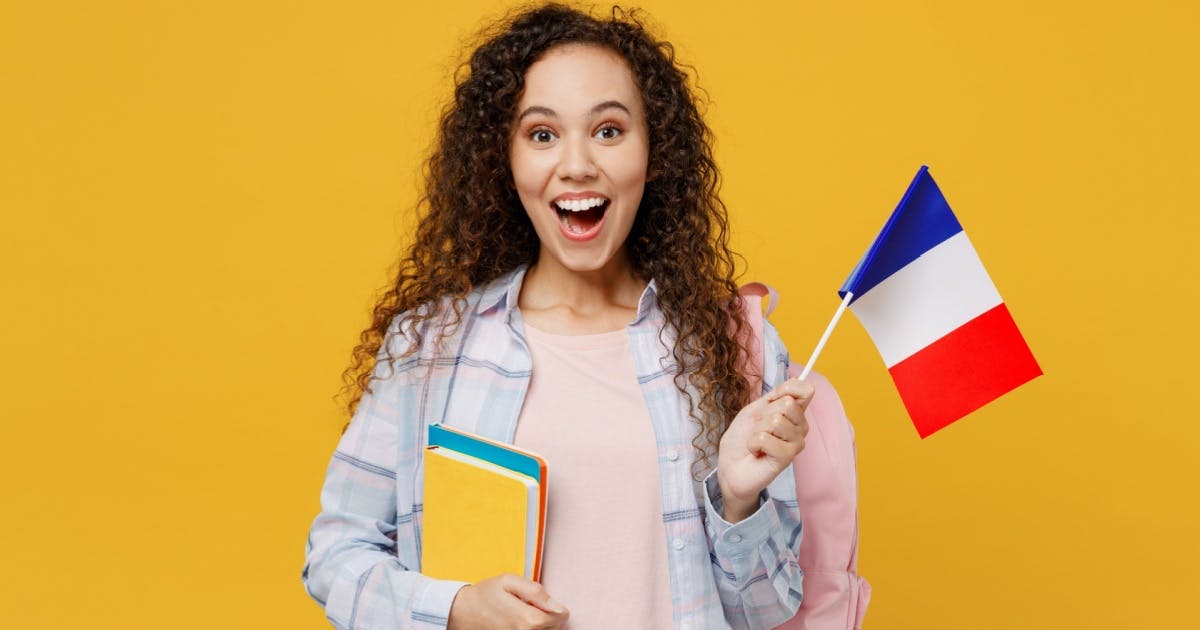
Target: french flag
[{"x": 941, "y": 327}]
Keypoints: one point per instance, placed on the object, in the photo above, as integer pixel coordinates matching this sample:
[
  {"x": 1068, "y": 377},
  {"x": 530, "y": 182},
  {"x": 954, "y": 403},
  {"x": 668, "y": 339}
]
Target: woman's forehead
[{"x": 576, "y": 77}]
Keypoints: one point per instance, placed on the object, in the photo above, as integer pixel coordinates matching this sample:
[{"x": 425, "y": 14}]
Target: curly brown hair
[{"x": 472, "y": 227}]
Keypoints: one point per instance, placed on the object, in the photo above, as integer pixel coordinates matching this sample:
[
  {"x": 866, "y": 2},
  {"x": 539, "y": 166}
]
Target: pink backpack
[{"x": 835, "y": 596}]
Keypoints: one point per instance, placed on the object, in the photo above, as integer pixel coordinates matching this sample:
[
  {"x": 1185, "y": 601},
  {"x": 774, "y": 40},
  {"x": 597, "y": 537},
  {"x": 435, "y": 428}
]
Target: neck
[{"x": 549, "y": 285}]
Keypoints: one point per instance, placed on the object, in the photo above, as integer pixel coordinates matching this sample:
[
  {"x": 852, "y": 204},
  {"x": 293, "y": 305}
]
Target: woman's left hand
[{"x": 761, "y": 441}]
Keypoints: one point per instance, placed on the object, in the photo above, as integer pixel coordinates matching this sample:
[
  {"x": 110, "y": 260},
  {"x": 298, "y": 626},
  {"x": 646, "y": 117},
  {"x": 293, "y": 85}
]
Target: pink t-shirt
[{"x": 605, "y": 555}]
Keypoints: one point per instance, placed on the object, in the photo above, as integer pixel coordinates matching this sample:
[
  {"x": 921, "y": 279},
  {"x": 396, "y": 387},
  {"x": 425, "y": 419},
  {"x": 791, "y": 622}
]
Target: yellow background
[{"x": 199, "y": 200}]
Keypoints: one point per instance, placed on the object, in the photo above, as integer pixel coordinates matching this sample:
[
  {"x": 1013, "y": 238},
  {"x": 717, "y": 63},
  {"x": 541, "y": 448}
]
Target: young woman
[{"x": 570, "y": 290}]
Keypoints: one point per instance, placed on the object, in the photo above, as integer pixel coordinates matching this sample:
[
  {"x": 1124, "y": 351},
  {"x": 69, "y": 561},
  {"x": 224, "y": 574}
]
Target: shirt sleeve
[
  {"x": 362, "y": 550},
  {"x": 755, "y": 560}
]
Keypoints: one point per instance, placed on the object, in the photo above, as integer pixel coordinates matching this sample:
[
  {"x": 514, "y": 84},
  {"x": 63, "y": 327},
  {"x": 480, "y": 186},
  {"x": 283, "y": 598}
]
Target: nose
[{"x": 577, "y": 160}]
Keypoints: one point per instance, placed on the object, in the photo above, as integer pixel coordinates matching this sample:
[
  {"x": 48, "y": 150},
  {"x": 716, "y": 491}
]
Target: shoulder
[
  {"x": 479, "y": 299},
  {"x": 448, "y": 314}
]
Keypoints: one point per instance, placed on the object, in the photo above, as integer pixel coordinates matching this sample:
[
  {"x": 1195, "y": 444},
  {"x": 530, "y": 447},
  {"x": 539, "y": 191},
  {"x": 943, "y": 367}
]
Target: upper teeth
[{"x": 579, "y": 205}]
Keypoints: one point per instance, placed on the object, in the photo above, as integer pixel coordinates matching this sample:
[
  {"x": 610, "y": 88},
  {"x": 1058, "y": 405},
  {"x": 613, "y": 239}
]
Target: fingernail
[{"x": 554, "y": 606}]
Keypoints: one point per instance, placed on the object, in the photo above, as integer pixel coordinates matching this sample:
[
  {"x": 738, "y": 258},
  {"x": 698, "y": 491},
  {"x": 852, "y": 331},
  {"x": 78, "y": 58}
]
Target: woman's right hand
[{"x": 505, "y": 602}]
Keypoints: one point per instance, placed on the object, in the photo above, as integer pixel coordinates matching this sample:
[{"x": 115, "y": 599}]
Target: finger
[
  {"x": 535, "y": 619},
  {"x": 532, "y": 618},
  {"x": 789, "y": 407},
  {"x": 797, "y": 430},
  {"x": 780, "y": 426},
  {"x": 774, "y": 447},
  {"x": 533, "y": 593},
  {"x": 802, "y": 391}
]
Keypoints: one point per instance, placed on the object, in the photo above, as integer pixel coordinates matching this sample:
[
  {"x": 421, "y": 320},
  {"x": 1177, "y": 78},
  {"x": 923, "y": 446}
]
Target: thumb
[
  {"x": 535, "y": 594},
  {"x": 802, "y": 391}
]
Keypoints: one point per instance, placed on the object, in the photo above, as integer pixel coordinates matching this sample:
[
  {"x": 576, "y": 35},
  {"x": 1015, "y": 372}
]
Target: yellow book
[{"x": 478, "y": 518}]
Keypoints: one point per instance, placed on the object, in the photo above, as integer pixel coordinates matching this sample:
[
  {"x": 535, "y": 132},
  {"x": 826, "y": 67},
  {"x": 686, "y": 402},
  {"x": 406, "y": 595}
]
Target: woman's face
[{"x": 579, "y": 155}]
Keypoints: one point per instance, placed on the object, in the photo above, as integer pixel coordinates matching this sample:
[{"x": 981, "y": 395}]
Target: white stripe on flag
[{"x": 927, "y": 299}]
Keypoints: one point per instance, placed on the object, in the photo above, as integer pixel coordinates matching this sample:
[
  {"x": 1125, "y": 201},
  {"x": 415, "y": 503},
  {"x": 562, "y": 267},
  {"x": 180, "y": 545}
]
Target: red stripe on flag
[{"x": 963, "y": 371}]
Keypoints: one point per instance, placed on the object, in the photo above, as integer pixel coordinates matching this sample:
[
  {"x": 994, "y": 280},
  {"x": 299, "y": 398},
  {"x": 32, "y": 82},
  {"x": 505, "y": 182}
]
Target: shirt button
[
  {"x": 677, "y": 544},
  {"x": 735, "y": 538},
  {"x": 672, "y": 455}
]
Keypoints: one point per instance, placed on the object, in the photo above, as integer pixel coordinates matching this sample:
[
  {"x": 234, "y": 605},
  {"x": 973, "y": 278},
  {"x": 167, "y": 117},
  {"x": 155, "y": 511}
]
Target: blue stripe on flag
[{"x": 920, "y": 222}]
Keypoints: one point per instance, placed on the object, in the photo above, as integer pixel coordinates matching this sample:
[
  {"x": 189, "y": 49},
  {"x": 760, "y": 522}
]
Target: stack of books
[{"x": 485, "y": 508}]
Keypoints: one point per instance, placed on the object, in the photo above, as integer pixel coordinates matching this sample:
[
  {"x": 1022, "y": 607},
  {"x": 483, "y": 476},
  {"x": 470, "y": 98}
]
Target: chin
[{"x": 581, "y": 262}]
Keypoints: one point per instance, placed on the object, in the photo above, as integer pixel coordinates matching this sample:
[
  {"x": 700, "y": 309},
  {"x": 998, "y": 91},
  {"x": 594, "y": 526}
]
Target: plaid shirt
[{"x": 364, "y": 548}]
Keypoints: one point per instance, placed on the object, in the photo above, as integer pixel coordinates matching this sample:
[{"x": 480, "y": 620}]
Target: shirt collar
[
  {"x": 502, "y": 292},
  {"x": 648, "y": 303}
]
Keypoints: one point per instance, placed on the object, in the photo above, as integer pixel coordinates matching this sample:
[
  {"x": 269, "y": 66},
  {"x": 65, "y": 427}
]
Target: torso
[{"x": 605, "y": 541}]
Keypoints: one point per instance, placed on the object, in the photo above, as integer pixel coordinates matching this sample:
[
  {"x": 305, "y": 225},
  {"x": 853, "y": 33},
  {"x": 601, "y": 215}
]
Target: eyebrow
[{"x": 546, "y": 111}]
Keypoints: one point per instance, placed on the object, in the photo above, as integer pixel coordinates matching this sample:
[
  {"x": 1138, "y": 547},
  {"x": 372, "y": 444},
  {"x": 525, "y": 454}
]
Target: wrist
[
  {"x": 458, "y": 608},
  {"x": 735, "y": 508},
  {"x": 738, "y": 513}
]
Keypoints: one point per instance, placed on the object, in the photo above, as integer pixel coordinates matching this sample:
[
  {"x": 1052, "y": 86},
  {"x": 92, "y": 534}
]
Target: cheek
[
  {"x": 529, "y": 172},
  {"x": 631, "y": 175},
  {"x": 522, "y": 182},
  {"x": 636, "y": 159}
]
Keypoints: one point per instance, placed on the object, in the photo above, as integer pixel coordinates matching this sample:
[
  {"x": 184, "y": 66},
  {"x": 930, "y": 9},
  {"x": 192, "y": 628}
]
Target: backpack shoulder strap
[
  {"x": 750, "y": 301},
  {"x": 761, "y": 290}
]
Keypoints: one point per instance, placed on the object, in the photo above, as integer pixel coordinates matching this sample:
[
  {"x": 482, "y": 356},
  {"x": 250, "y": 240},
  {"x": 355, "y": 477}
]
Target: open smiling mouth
[{"x": 580, "y": 216}]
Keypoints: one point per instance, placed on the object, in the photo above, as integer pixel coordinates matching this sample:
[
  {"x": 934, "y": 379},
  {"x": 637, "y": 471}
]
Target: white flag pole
[{"x": 825, "y": 337}]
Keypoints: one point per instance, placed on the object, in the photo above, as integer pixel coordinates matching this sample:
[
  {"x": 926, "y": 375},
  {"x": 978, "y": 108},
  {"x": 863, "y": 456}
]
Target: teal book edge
[{"x": 445, "y": 437}]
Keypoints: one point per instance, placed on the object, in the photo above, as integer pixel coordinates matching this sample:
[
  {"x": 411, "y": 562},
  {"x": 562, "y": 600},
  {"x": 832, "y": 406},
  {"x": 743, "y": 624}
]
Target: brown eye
[
  {"x": 608, "y": 132},
  {"x": 542, "y": 136}
]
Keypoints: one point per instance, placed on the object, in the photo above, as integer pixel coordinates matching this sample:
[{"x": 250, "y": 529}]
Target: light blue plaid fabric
[{"x": 364, "y": 548}]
